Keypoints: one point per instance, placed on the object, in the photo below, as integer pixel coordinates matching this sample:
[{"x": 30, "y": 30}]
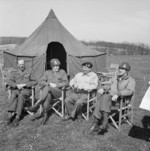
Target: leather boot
[
  {"x": 37, "y": 115},
  {"x": 67, "y": 117},
  {"x": 79, "y": 118},
  {"x": 104, "y": 125},
  {"x": 35, "y": 107},
  {"x": 16, "y": 121},
  {"x": 95, "y": 126},
  {"x": 45, "y": 117},
  {"x": 10, "y": 118}
]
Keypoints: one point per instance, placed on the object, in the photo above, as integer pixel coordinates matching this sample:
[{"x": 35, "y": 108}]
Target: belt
[
  {"x": 29, "y": 88},
  {"x": 79, "y": 91},
  {"x": 106, "y": 92}
]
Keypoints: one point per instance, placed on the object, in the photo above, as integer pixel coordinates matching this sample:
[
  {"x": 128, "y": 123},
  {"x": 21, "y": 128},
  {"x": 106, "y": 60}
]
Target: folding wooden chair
[
  {"x": 29, "y": 101},
  {"x": 58, "y": 105},
  {"x": 124, "y": 112},
  {"x": 90, "y": 105},
  {"x": 5, "y": 75}
]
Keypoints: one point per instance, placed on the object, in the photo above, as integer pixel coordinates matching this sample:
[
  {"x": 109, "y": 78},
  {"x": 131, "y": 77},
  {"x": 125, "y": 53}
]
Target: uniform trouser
[
  {"x": 74, "y": 103},
  {"x": 48, "y": 94},
  {"x": 103, "y": 108},
  {"x": 17, "y": 100}
]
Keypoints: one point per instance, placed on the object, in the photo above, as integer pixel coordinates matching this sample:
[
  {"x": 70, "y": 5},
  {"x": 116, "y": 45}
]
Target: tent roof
[{"x": 51, "y": 30}]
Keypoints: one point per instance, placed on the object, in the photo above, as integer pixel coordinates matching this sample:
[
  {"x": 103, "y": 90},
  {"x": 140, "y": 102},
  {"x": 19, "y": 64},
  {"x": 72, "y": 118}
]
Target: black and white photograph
[{"x": 74, "y": 75}]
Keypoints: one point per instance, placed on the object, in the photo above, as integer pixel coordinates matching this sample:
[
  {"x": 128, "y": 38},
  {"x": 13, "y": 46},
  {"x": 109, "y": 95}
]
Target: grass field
[{"x": 58, "y": 135}]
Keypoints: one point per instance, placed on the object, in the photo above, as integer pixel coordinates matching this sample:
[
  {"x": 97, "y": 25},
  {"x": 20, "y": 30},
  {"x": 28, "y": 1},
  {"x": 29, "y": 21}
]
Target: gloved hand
[
  {"x": 52, "y": 85},
  {"x": 101, "y": 91},
  {"x": 20, "y": 86},
  {"x": 115, "y": 97}
]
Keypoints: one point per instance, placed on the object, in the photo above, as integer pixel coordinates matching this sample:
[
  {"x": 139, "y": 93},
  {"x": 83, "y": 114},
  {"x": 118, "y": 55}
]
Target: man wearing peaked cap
[
  {"x": 83, "y": 82},
  {"x": 87, "y": 64}
]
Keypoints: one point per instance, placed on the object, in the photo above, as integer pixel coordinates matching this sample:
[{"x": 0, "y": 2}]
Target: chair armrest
[
  {"x": 66, "y": 88},
  {"x": 92, "y": 91},
  {"x": 128, "y": 99},
  {"x": 33, "y": 87},
  {"x": 124, "y": 97}
]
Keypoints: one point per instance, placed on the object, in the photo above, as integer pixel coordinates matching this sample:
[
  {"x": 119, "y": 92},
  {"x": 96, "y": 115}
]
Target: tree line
[
  {"x": 12, "y": 40},
  {"x": 111, "y": 48},
  {"x": 124, "y": 48}
]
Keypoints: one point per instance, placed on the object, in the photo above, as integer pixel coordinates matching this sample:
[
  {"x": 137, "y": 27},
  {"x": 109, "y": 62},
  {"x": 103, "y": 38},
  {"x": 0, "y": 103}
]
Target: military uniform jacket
[
  {"x": 19, "y": 77},
  {"x": 59, "y": 78},
  {"x": 124, "y": 86},
  {"x": 86, "y": 82}
]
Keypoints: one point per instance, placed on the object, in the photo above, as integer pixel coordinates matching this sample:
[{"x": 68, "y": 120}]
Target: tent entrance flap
[{"x": 56, "y": 50}]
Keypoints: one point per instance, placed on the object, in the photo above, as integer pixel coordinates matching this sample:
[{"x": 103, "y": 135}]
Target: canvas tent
[{"x": 52, "y": 40}]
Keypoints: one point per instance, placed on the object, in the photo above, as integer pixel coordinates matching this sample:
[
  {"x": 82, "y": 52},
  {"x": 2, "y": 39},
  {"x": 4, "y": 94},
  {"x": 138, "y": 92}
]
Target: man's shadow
[{"x": 141, "y": 132}]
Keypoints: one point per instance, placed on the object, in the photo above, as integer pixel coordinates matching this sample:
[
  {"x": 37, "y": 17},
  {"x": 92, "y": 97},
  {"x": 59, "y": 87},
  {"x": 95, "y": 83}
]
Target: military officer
[
  {"x": 20, "y": 81},
  {"x": 121, "y": 85},
  {"x": 83, "y": 82},
  {"x": 51, "y": 82}
]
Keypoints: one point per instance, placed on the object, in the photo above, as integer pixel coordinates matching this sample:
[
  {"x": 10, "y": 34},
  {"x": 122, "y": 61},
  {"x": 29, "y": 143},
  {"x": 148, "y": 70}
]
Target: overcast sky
[{"x": 90, "y": 20}]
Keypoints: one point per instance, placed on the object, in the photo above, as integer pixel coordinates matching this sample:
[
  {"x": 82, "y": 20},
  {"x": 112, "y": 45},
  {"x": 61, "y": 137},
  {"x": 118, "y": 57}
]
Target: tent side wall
[
  {"x": 37, "y": 64},
  {"x": 74, "y": 63},
  {"x": 10, "y": 61}
]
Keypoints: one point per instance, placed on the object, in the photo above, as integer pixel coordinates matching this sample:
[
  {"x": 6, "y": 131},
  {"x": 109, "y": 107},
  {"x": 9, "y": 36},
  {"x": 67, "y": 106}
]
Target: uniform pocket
[
  {"x": 26, "y": 76},
  {"x": 18, "y": 77}
]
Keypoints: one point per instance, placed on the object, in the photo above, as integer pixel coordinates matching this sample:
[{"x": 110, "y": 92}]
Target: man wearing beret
[
  {"x": 21, "y": 82},
  {"x": 83, "y": 82},
  {"x": 51, "y": 83},
  {"x": 120, "y": 86}
]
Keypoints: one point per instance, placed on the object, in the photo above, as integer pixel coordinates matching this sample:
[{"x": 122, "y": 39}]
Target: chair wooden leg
[
  {"x": 87, "y": 118},
  {"x": 114, "y": 122},
  {"x": 41, "y": 108},
  {"x": 132, "y": 115},
  {"x": 125, "y": 113},
  {"x": 91, "y": 101},
  {"x": 62, "y": 102},
  {"x": 9, "y": 93},
  {"x": 33, "y": 96},
  {"x": 120, "y": 115}
]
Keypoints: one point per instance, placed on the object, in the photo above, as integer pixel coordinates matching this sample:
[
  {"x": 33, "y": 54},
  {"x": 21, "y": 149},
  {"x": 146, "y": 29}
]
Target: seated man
[
  {"x": 51, "y": 82},
  {"x": 83, "y": 82},
  {"x": 21, "y": 82},
  {"x": 121, "y": 85}
]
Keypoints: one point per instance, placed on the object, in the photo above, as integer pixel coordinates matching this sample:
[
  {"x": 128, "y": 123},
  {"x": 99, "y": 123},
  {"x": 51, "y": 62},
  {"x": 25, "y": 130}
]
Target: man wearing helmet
[
  {"x": 51, "y": 82},
  {"x": 121, "y": 85}
]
